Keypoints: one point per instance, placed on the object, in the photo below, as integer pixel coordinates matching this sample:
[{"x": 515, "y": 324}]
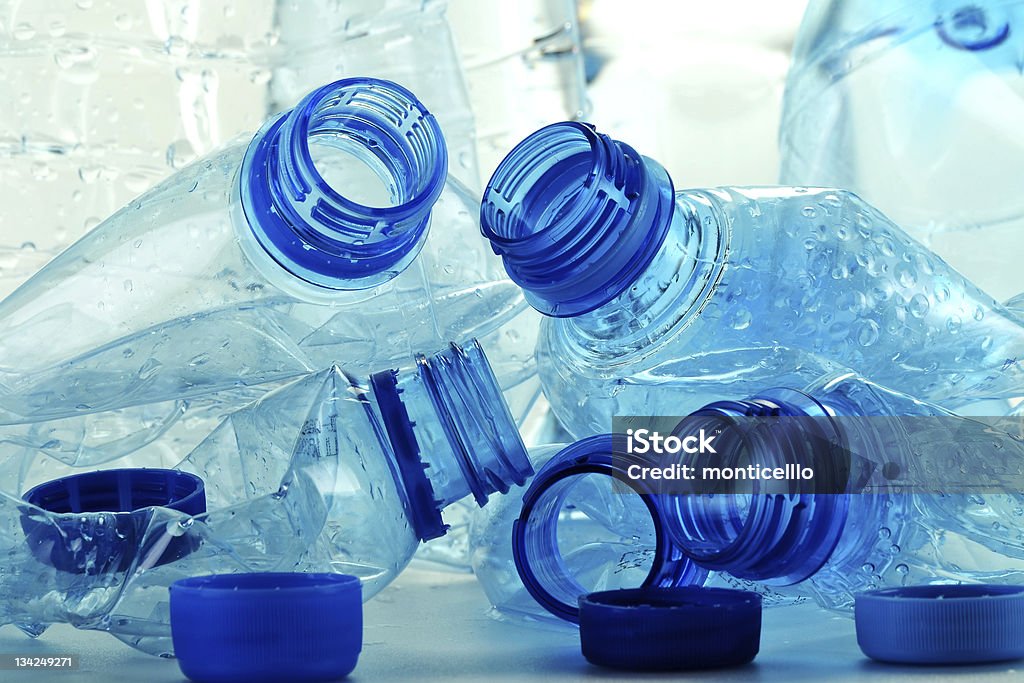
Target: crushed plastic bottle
[
  {"x": 936, "y": 497},
  {"x": 305, "y": 247},
  {"x": 660, "y": 301},
  {"x": 326, "y": 474},
  {"x": 916, "y": 108},
  {"x": 789, "y": 546},
  {"x": 112, "y": 97}
]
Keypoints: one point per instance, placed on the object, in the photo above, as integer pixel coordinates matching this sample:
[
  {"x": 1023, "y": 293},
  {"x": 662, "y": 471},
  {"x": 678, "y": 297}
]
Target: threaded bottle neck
[
  {"x": 777, "y": 538},
  {"x": 338, "y": 190},
  {"x": 544, "y": 570},
  {"x": 575, "y": 216},
  {"x": 451, "y": 432}
]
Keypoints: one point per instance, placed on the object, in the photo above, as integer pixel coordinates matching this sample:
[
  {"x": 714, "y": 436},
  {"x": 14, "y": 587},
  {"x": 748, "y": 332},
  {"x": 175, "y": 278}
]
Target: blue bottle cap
[
  {"x": 99, "y": 521},
  {"x": 670, "y": 629},
  {"x": 265, "y": 627},
  {"x": 958, "y": 624}
]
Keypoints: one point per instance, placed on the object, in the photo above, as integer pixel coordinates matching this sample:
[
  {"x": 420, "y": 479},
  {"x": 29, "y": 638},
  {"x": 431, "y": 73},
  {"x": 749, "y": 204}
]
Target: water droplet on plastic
[
  {"x": 741, "y": 319},
  {"x": 884, "y": 532},
  {"x": 180, "y": 154},
  {"x": 867, "y": 333}
]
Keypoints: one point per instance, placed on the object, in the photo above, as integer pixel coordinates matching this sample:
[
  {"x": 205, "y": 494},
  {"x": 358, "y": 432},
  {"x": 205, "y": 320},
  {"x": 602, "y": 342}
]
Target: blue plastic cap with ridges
[
  {"x": 951, "y": 624},
  {"x": 98, "y": 521},
  {"x": 576, "y": 217},
  {"x": 311, "y": 228},
  {"x": 269, "y": 627},
  {"x": 670, "y": 629}
]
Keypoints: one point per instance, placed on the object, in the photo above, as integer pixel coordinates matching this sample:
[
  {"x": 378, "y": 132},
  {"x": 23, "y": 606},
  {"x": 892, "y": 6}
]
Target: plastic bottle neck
[
  {"x": 319, "y": 232},
  {"x": 669, "y": 293},
  {"x": 535, "y": 539},
  {"x": 779, "y": 538},
  {"x": 576, "y": 217},
  {"x": 451, "y": 433}
]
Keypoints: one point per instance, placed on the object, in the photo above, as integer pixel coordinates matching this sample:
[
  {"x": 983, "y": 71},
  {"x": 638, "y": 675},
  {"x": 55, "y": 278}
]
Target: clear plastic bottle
[
  {"x": 328, "y": 473},
  {"x": 108, "y": 97},
  {"x": 936, "y": 498},
  {"x": 790, "y": 545},
  {"x": 660, "y": 301},
  {"x": 305, "y": 247},
  {"x": 916, "y": 107}
]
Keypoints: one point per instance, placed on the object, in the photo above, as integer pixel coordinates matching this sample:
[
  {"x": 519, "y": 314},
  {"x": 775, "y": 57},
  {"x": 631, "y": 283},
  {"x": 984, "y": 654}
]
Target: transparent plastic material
[
  {"x": 658, "y": 302},
  {"x": 523, "y": 64},
  {"x": 264, "y": 261},
  {"x": 788, "y": 546},
  {"x": 587, "y": 532},
  {"x": 107, "y": 97},
  {"x": 916, "y": 107},
  {"x": 834, "y": 546},
  {"x": 326, "y": 474}
]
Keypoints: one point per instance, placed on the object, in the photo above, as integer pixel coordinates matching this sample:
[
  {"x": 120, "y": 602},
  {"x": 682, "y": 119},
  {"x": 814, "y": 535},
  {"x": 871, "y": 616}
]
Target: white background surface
[{"x": 434, "y": 626}]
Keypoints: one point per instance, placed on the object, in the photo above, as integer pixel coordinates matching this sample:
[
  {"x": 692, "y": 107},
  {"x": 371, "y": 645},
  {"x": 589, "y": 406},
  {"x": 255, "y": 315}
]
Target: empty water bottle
[
  {"x": 328, "y": 473},
  {"x": 303, "y": 247},
  {"x": 916, "y": 108},
  {"x": 787, "y": 544},
  {"x": 934, "y": 497},
  {"x": 657, "y": 301}
]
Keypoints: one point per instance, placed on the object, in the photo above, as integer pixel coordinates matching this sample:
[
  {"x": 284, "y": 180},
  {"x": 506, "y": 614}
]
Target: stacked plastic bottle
[
  {"x": 330, "y": 473},
  {"x": 660, "y": 302}
]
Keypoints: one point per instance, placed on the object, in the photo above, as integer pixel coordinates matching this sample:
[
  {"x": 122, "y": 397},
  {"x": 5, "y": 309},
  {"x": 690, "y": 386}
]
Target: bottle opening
[
  {"x": 773, "y": 531},
  {"x": 575, "y": 216},
  {"x": 586, "y": 527},
  {"x": 339, "y": 190},
  {"x": 372, "y": 145},
  {"x": 543, "y": 184},
  {"x": 604, "y": 536},
  {"x": 365, "y": 181}
]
